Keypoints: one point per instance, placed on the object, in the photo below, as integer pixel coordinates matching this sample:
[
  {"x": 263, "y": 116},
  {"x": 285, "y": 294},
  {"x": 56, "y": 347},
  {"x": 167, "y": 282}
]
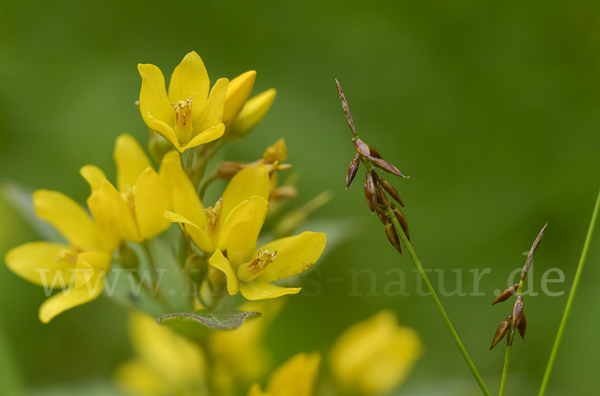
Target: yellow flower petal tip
[
  {"x": 252, "y": 113},
  {"x": 238, "y": 92}
]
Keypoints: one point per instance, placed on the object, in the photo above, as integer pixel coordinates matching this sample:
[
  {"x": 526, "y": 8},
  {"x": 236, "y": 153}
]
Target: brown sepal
[
  {"x": 370, "y": 192},
  {"x": 386, "y": 166},
  {"x": 501, "y": 331},
  {"x": 505, "y": 295},
  {"x": 352, "y": 169}
]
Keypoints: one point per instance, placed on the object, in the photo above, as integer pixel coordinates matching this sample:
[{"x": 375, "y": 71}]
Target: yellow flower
[
  {"x": 209, "y": 228},
  {"x": 78, "y": 267},
  {"x": 166, "y": 363},
  {"x": 375, "y": 356},
  {"x": 296, "y": 377},
  {"x": 188, "y": 116},
  {"x": 240, "y": 356},
  {"x": 136, "y": 210},
  {"x": 252, "y": 272},
  {"x": 241, "y": 115}
]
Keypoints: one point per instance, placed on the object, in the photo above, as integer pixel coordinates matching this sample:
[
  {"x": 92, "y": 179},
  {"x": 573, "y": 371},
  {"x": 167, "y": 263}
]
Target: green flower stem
[
  {"x": 153, "y": 289},
  {"x": 506, "y": 362},
  {"x": 565, "y": 317},
  {"x": 436, "y": 300}
]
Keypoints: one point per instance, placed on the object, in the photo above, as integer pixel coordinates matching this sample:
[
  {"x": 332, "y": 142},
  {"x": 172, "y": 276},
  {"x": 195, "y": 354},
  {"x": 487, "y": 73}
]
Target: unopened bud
[
  {"x": 128, "y": 259},
  {"x": 352, "y": 169},
  {"x": 392, "y": 236},
  {"x": 401, "y": 219},
  {"x": 386, "y": 166},
  {"x": 501, "y": 331},
  {"x": 391, "y": 190},
  {"x": 374, "y": 152},
  {"x": 381, "y": 197},
  {"x": 505, "y": 295},
  {"x": 370, "y": 192},
  {"x": 517, "y": 312},
  {"x": 228, "y": 169},
  {"x": 361, "y": 147},
  {"x": 522, "y": 327},
  {"x": 276, "y": 152}
]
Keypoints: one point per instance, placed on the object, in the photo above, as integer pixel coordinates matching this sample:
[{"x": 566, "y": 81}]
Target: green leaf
[{"x": 196, "y": 324}]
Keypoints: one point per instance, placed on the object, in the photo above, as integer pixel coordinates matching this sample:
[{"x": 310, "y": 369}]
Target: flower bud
[
  {"x": 361, "y": 147},
  {"x": 401, "y": 219},
  {"x": 253, "y": 112},
  {"x": 522, "y": 327},
  {"x": 375, "y": 152},
  {"x": 275, "y": 153},
  {"x": 517, "y": 312},
  {"x": 158, "y": 146},
  {"x": 391, "y": 190},
  {"x": 352, "y": 169},
  {"x": 228, "y": 169},
  {"x": 386, "y": 166},
  {"x": 505, "y": 295},
  {"x": 501, "y": 331},
  {"x": 392, "y": 236},
  {"x": 370, "y": 192},
  {"x": 381, "y": 197}
]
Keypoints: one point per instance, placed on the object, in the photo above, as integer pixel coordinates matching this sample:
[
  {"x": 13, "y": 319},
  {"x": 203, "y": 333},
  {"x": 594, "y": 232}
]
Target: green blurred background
[{"x": 492, "y": 109}]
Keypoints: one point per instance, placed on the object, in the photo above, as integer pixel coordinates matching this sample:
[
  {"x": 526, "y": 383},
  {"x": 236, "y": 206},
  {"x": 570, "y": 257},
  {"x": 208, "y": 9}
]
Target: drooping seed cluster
[
  {"x": 376, "y": 187},
  {"x": 516, "y": 320}
]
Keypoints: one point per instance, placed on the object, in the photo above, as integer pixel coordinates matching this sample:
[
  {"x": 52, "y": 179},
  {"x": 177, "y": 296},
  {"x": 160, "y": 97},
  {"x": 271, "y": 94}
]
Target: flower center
[
  {"x": 213, "y": 217},
  {"x": 183, "y": 118},
  {"x": 250, "y": 271}
]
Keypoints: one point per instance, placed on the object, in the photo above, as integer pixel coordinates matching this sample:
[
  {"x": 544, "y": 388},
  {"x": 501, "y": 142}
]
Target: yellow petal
[
  {"x": 153, "y": 96},
  {"x": 185, "y": 198},
  {"x": 36, "y": 261},
  {"x": 256, "y": 391},
  {"x": 198, "y": 235},
  {"x": 240, "y": 213},
  {"x": 295, "y": 255},
  {"x": 68, "y": 217},
  {"x": 93, "y": 175},
  {"x": 241, "y": 241},
  {"x": 295, "y": 377},
  {"x": 151, "y": 201},
  {"x": 238, "y": 92},
  {"x": 164, "y": 130},
  {"x": 70, "y": 298},
  {"x": 259, "y": 291},
  {"x": 249, "y": 182},
  {"x": 112, "y": 215},
  {"x": 212, "y": 112},
  {"x": 253, "y": 112},
  {"x": 190, "y": 79},
  {"x": 205, "y": 137},
  {"x": 221, "y": 263},
  {"x": 131, "y": 161}
]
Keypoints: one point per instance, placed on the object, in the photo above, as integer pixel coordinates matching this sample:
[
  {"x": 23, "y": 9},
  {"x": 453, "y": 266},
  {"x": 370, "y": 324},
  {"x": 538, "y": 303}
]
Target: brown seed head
[
  {"x": 370, "y": 194},
  {"x": 522, "y": 327},
  {"x": 501, "y": 331},
  {"x": 401, "y": 219},
  {"x": 505, "y": 295},
  {"x": 517, "y": 312},
  {"x": 386, "y": 166},
  {"x": 529, "y": 261},
  {"x": 392, "y": 236},
  {"x": 391, "y": 190},
  {"x": 346, "y": 109},
  {"x": 375, "y": 152},
  {"x": 361, "y": 148},
  {"x": 352, "y": 169}
]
